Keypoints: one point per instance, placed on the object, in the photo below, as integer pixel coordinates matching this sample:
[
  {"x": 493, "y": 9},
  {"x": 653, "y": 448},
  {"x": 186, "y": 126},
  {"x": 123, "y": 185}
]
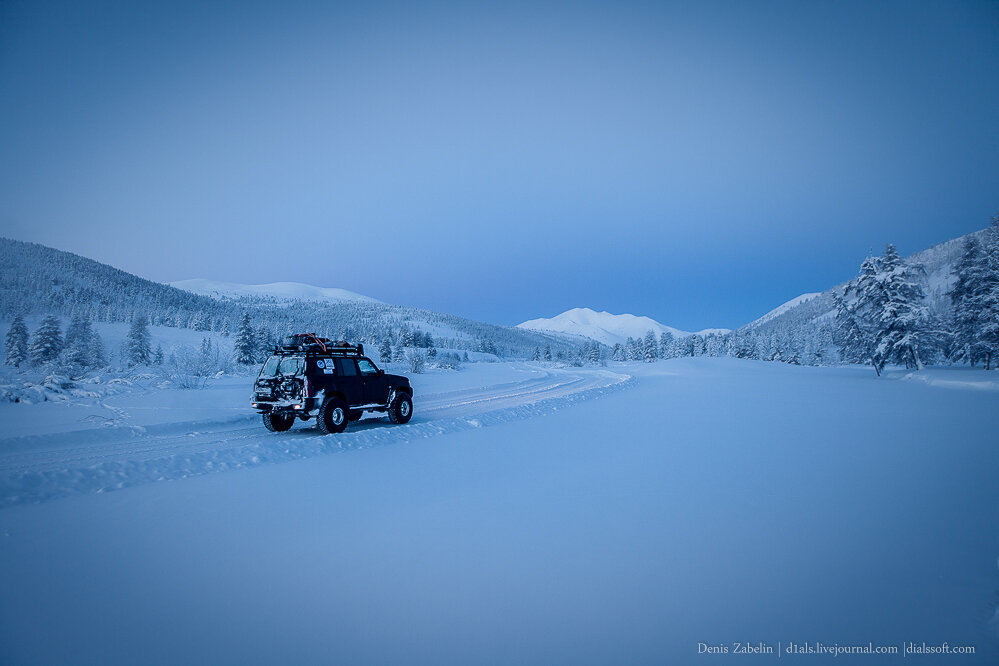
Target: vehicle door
[
  {"x": 348, "y": 380},
  {"x": 375, "y": 383}
]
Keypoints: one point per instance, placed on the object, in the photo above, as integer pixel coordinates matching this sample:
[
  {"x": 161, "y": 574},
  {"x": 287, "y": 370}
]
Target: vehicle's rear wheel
[
  {"x": 401, "y": 409},
  {"x": 332, "y": 417},
  {"x": 277, "y": 422},
  {"x": 355, "y": 414}
]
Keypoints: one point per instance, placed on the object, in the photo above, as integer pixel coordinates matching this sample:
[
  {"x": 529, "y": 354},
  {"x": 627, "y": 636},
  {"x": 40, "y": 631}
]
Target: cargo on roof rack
[{"x": 311, "y": 344}]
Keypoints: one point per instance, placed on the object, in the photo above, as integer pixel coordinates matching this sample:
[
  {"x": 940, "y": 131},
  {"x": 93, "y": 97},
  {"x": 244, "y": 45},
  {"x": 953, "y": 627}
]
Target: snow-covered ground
[{"x": 527, "y": 515}]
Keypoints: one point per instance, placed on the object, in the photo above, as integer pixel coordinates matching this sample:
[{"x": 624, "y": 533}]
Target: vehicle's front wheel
[
  {"x": 277, "y": 422},
  {"x": 401, "y": 409},
  {"x": 332, "y": 417}
]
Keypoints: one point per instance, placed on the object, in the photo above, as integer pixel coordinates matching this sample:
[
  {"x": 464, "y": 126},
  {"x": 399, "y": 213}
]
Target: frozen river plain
[{"x": 527, "y": 515}]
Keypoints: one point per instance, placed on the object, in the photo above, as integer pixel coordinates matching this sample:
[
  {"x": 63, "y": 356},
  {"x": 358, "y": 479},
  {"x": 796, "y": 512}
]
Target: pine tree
[
  {"x": 98, "y": 357},
  {"x": 536, "y": 356},
  {"x": 870, "y": 301},
  {"x": 696, "y": 345},
  {"x": 617, "y": 354},
  {"x": 547, "y": 353},
  {"x": 78, "y": 342},
  {"x": 202, "y": 322},
  {"x": 593, "y": 352},
  {"x": 245, "y": 346},
  {"x": 265, "y": 341},
  {"x": 47, "y": 343},
  {"x": 385, "y": 351},
  {"x": 967, "y": 316},
  {"x": 16, "y": 343},
  {"x": 890, "y": 305},
  {"x": 666, "y": 342},
  {"x": 158, "y": 355},
  {"x": 899, "y": 337},
  {"x": 651, "y": 347},
  {"x": 987, "y": 296},
  {"x": 853, "y": 341},
  {"x": 138, "y": 350}
]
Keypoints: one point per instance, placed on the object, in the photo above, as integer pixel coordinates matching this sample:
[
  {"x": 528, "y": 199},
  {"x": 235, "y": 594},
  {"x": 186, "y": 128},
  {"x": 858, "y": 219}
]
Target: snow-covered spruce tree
[
  {"x": 969, "y": 272},
  {"x": 631, "y": 349},
  {"x": 431, "y": 354},
  {"x": 245, "y": 346},
  {"x": 265, "y": 342},
  {"x": 98, "y": 357},
  {"x": 547, "y": 355},
  {"x": 385, "y": 351},
  {"x": 16, "y": 342},
  {"x": 666, "y": 345},
  {"x": 158, "y": 355},
  {"x": 851, "y": 337},
  {"x": 697, "y": 345},
  {"x": 741, "y": 346},
  {"x": 869, "y": 303},
  {"x": 891, "y": 301},
  {"x": 47, "y": 343},
  {"x": 617, "y": 354},
  {"x": 651, "y": 347},
  {"x": 536, "y": 356},
  {"x": 593, "y": 352},
  {"x": 138, "y": 349},
  {"x": 78, "y": 342},
  {"x": 713, "y": 345},
  {"x": 988, "y": 296},
  {"x": 202, "y": 321}
]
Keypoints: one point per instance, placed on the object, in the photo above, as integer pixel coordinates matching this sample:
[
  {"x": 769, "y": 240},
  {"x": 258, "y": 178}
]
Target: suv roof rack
[{"x": 312, "y": 345}]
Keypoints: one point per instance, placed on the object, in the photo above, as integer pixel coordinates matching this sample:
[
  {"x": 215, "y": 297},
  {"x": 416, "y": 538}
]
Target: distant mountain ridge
[
  {"x": 279, "y": 291},
  {"x": 604, "y": 327},
  {"x": 36, "y": 279}
]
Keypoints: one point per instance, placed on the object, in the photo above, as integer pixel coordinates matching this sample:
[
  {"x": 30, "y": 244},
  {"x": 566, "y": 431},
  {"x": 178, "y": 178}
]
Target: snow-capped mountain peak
[
  {"x": 604, "y": 327},
  {"x": 281, "y": 291}
]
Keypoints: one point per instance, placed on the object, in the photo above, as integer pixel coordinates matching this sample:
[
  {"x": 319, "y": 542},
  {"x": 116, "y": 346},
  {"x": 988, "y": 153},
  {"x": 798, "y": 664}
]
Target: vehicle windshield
[{"x": 282, "y": 365}]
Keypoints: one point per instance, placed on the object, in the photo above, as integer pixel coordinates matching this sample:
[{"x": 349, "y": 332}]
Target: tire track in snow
[{"x": 41, "y": 468}]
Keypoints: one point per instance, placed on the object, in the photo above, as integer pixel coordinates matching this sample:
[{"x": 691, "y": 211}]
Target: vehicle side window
[
  {"x": 367, "y": 367},
  {"x": 346, "y": 367}
]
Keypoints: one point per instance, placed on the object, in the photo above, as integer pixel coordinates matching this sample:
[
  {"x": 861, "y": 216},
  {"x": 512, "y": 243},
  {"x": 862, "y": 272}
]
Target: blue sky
[{"x": 698, "y": 163}]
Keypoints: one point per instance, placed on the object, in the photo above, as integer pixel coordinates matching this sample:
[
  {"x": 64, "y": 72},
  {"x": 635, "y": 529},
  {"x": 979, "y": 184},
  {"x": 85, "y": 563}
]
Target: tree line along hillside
[
  {"x": 35, "y": 279},
  {"x": 940, "y": 305}
]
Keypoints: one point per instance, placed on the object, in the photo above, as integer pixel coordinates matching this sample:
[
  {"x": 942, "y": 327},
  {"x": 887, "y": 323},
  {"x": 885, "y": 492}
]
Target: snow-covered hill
[
  {"x": 936, "y": 274},
  {"x": 281, "y": 291},
  {"x": 605, "y": 327},
  {"x": 781, "y": 309}
]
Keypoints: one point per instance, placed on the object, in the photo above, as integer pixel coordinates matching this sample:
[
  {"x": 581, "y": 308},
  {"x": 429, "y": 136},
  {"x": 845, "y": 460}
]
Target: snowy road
[{"x": 40, "y": 467}]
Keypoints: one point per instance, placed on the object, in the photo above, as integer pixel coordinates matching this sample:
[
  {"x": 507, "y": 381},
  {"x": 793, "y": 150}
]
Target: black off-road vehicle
[{"x": 310, "y": 376}]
